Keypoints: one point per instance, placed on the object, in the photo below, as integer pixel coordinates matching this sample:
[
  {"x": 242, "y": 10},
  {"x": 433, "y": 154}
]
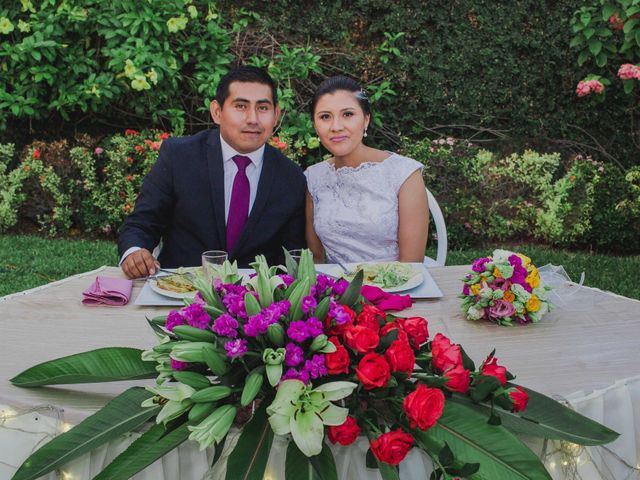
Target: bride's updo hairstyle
[{"x": 337, "y": 83}]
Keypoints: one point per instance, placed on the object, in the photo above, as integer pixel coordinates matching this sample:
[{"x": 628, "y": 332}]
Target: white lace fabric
[{"x": 355, "y": 209}]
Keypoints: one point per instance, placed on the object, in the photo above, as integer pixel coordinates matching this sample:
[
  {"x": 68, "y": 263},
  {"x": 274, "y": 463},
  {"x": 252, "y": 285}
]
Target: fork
[{"x": 347, "y": 272}]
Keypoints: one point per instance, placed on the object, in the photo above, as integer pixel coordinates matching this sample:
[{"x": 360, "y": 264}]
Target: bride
[{"x": 363, "y": 204}]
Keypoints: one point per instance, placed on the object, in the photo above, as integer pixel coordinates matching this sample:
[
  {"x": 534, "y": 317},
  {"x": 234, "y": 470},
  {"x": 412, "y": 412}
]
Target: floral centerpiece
[
  {"x": 504, "y": 287},
  {"x": 288, "y": 352}
]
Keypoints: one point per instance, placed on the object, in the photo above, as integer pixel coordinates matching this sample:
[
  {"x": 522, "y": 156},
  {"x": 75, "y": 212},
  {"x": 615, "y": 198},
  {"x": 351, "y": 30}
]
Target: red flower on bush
[
  {"x": 392, "y": 447},
  {"x": 129, "y": 160},
  {"x": 338, "y": 361},
  {"x": 370, "y": 317},
  {"x": 373, "y": 371},
  {"x": 361, "y": 339},
  {"x": 164, "y": 136},
  {"x": 131, "y": 133},
  {"x": 457, "y": 379},
  {"x": 491, "y": 368},
  {"x": 616, "y": 22},
  {"x": 416, "y": 328},
  {"x": 36, "y": 153},
  {"x": 400, "y": 357},
  {"x": 139, "y": 148},
  {"x": 520, "y": 399},
  {"x": 129, "y": 178},
  {"x": 345, "y": 434},
  {"x": 444, "y": 354},
  {"x": 424, "y": 406}
]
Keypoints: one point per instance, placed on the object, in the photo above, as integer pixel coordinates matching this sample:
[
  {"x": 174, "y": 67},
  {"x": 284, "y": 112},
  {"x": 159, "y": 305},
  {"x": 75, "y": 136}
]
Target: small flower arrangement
[
  {"x": 289, "y": 352},
  {"x": 504, "y": 288}
]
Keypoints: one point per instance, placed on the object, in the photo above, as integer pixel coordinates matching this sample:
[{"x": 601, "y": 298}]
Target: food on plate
[
  {"x": 387, "y": 275},
  {"x": 178, "y": 283}
]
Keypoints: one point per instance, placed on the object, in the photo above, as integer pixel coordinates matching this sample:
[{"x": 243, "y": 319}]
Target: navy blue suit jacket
[{"x": 182, "y": 202}]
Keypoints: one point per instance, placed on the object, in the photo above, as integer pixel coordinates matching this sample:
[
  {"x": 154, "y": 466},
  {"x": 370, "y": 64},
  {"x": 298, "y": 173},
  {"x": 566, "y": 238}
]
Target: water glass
[
  {"x": 211, "y": 261},
  {"x": 296, "y": 254}
]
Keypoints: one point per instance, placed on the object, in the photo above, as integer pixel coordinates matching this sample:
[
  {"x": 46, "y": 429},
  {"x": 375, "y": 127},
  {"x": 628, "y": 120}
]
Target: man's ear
[{"x": 216, "y": 111}]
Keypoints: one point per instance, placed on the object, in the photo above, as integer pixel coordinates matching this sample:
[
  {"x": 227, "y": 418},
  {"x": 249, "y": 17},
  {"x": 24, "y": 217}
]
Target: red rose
[
  {"x": 392, "y": 447},
  {"x": 400, "y": 357},
  {"x": 361, "y": 339},
  {"x": 491, "y": 368},
  {"x": 373, "y": 371},
  {"x": 416, "y": 328},
  {"x": 424, "y": 406},
  {"x": 388, "y": 327},
  {"x": 332, "y": 328},
  {"x": 457, "y": 379},
  {"x": 345, "y": 434},
  {"x": 519, "y": 398},
  {"x": 444, "y": 354},
  {"x": 338, "y": 361},
  {"x": 36, "y": 153},
  {"x": 370, "y": 317}
]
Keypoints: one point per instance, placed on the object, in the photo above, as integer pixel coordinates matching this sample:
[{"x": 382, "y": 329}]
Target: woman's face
[{"x": 340, "y": 122}]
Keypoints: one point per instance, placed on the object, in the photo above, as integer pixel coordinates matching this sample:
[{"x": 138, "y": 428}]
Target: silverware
[{"x": 347, "y": 272}]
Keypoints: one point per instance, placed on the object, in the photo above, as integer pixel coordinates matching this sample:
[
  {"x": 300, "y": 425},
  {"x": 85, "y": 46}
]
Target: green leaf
[
  {"x": 607, "y": 11},
  {"x": 249, "y": 459},
  {"x": 300, "y": 467},
  {"x": 119, "y": 416},
  {"x": 628, "y": 86},
  {"x": 152, "y": 445},
  {"x": 351, "y": 295},
  {"x": 638, "y": 37},
  {"x": 583, "y": 57},
  {"x": 500, "y": 453},
  {"x": 585, "y": 18},
  {"x": 630, "y": 25},
  {"x": 595, "y": 46},
  {"x": 101, "y": 365},
  {"x": 601, "y": 59},
  {"x": 290, "y": 263},
  {"x": 546, "y": 418},
  {"x": 576, "y": 42},
  {"x": 588, "y": 32}
]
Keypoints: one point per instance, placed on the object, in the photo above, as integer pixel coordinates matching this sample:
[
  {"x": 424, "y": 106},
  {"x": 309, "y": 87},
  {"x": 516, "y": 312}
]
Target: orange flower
[
  {"x": 496, "y": 273},
  {"x": 26, "y": 168},
  {"x": 475, "y": 288},
  {"x": 533, "y": 304},
  {"x": 509, "y": 296}
]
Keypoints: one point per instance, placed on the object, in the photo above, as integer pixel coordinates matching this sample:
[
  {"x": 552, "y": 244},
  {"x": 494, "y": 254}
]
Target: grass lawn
[{"x": 29, "y": 261}]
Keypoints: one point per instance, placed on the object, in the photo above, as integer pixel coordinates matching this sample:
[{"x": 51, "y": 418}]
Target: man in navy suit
[{"x": 219, "y": 189}]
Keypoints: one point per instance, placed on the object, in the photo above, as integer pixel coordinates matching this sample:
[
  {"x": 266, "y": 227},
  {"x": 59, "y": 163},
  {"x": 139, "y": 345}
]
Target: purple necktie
[{"x": 239, "y": 205}]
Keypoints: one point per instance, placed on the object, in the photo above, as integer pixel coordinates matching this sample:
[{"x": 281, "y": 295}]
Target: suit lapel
[
  {"x": 265, "y": 183},
  {"x": 216, "y": 178}
]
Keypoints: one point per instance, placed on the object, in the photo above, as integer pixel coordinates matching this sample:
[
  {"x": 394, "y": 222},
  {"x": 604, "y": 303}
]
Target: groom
[{"x": 219, "y": 189}]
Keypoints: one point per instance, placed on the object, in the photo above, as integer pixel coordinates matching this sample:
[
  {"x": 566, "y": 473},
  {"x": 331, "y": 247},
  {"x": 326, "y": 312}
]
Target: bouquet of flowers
[
  {"x": 504, "y": 288},
  {"x": 288, "y": 352}
]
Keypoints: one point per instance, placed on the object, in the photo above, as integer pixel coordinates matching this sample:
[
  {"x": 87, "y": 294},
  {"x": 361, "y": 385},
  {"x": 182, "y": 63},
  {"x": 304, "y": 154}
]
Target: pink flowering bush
[{"x": 586, "y": 87}]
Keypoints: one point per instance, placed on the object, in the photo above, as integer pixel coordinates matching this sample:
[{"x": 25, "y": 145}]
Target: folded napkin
[
  {"x": 108, "y": 291},
  {"x": 385, "y": 301}
]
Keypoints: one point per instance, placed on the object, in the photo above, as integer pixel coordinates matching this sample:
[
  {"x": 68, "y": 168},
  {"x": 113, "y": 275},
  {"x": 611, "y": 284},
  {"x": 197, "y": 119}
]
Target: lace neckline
[{"x": 362, "y": 166}]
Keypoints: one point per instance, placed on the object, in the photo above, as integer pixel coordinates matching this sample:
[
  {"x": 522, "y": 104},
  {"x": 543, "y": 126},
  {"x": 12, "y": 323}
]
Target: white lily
[
  {"x": 178, "y": 400},
  {"x": 303, "y": 411}
]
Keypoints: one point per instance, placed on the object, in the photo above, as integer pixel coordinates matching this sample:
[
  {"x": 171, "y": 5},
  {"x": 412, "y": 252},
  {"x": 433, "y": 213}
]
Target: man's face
[{"x": 247, "y": 117}]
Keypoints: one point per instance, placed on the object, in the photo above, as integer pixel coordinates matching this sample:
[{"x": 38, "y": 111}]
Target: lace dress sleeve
[{"x": 399, "y": 169}]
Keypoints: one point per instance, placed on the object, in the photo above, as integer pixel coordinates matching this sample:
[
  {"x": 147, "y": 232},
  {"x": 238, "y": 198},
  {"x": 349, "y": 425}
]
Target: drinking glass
[
  {"x": 296, "y": 254},
  {"x": 211, "y": 261}
]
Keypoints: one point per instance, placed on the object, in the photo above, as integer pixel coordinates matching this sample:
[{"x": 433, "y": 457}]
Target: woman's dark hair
[
  {"x": 340, "y": 82},
  {"x": 248, "y": 74}
]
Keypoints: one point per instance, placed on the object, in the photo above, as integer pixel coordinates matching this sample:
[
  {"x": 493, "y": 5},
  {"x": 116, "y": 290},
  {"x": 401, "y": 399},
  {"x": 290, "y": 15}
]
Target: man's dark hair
[
  {"x": 248, "y": 74},
  {"x": 337, "y": 83}
]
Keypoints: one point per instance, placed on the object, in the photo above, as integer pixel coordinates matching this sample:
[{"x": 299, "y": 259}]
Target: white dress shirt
[{"x": 253, "y": 171}]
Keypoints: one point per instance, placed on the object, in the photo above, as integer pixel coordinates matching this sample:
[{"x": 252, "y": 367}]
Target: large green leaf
[
  {"x": 546, "y": 418},
  {"x": 249, "y": 459},
  {"x": 319, "y": 467},
  {"x": 119, "y": 416},
  {"x": 352, "y": 293},
  {"x": 152, "y": 445},
  {"x": 501, "y": 455},
  {"x": 101, "y": 365}
]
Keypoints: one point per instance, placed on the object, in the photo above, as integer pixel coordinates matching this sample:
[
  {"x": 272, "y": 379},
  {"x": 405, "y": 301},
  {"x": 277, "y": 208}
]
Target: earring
[{"x": 365, "y": 133}]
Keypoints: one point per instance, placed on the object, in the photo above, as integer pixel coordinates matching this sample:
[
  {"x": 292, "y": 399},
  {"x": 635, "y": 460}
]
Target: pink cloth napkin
[
  {"x": 108, "y": 291},
  {"x": 385, "y": 301}
]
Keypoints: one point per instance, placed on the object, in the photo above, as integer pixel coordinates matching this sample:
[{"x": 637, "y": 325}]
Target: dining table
[{"x": 584, "y": 353}]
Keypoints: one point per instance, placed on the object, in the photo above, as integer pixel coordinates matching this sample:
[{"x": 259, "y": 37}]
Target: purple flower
[
  {"x": 178, "y": 365},
  {"x": 515, "y": 260},
  {"x": 225, "y": 325},
  {"x": 322, "y": 284},
  {"x": 196, "y": 316},
  {"x": 298, "y": 331},
  {"x": 293, "y": 354},
  {"x": 287, "y": 279},
  {"x": 316, "y": 367},
  {"x": 276, "y": 310},
  {"x": 293, "y": 374},
  {"x": 98, "y": 151},
  {"x": 198, "y": 299},
  {"x": 314, "y": 327},
  {"x": 256, "y": 325},
  {"x": 235, "y": 304},
  {"x": 479, "y": 264},
  {"x": 236, "y": 348},
  {"x": 173, "y": 319},
  {"x": 501, "y": 309},
  {"x": 337, "y": 313},
  {"x": 340, "y": 286},
  {"x": 466, "y": 290},
  {"x": 308, "y": 303}
]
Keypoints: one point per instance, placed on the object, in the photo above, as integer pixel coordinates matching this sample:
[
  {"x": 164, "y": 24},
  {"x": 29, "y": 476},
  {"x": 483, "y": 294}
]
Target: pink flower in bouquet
[
  {"x": 293, "y": 355},
  {"x": 337, "y": 362},
  {"x": 424, "y": 406},
  {"x": 294, "y": 374},
  {"x": 236, "y": 348},
  {"x": 174, "y": 318},
  {"x": 370, "y": 317},
  {"x": 308, "y": 303},
  {"x": 400, "y": 357},
  {"x": 479, "y": 264},
  {"x": 444, "y": 354},
  {"x": 225, "y": 326},
  {"x": 457, "y": 379},
  {"x": 316, "y": 366},
  {"x": 196, "y": 316},
  {"x": 344, "y": 434},
  {"x": 501, "y": 309},
  {"x": 373, "y": 371},
  {"x": 629, "y": 71},
  {"x": 491, "y": 368},
  {"x": 520, "y": 399},
  {"x": 361, "y": 339},
  {"x": 339, "y": 319},
  {"x": 392, "y": 447},
  {"x": 178, "y": 365},
  {"x": 416, "y": 328}
]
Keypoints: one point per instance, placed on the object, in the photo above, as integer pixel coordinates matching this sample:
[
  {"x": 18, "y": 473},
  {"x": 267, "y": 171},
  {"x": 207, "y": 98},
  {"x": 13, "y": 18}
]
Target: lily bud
[
  {"x": 275, "y": 333},
  {"x": 319, "y": 343}
]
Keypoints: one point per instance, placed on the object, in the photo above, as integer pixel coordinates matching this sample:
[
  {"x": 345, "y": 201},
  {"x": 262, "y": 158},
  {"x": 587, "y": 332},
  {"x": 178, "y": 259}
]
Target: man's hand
[{"x": 140, "y": 264}]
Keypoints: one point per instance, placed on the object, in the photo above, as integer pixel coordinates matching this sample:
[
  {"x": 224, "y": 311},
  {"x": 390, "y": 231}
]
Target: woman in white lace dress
[{"x": 363, "y": 204}]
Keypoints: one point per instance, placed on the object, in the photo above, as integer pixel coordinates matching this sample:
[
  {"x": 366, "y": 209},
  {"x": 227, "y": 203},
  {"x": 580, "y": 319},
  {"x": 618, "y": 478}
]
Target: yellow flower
[
  {"x": 95, "y": 90},
  {"x": 525, "y": 260},
  {"x": 193, "y": 11},
  {"x": 509, "y": 296},
  {"x": 496, "y": 273},
  {"x": 475, "y": 288},
  {"x": 140, "y": 83},
  {"x": 175, "y": 24},
  {"x": 533, "y": 304},
  {"x": 314, "y": 142},
  {"x": 129, "y": 69},
  {"x": 6, "y": 26},
  {"x": 152, "y": 76},
  {"x": 27, "y": 5},
  {"x": 24, "y": 26},
  {"x": 533, "y": 278}
]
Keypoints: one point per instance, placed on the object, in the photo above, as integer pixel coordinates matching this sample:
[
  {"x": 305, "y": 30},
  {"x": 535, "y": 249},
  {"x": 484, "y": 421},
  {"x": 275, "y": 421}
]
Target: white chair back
[{"x": 441, "y": 233}]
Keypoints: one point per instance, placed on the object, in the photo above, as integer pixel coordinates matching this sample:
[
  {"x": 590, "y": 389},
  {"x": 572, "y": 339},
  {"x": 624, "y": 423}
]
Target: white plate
[
  {"x": 413, "y": 282},
  {"x": 167, "y": 293}
]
